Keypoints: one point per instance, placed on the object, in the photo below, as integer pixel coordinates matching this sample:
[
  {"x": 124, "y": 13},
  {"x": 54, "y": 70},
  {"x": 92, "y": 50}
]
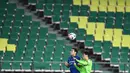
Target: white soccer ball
[{"x": 72, "y": 36}]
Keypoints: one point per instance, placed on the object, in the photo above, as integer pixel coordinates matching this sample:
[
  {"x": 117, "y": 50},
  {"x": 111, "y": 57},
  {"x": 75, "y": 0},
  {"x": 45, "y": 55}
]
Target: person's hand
[
  {"x": 74, "y": 58},
  {"x": 66, "y": 64}
]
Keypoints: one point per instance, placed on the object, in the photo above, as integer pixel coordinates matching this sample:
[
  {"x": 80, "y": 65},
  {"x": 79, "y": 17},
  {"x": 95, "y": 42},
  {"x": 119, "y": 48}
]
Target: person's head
[
  {"x": 73, "y": 52},
  {"x": 85, "y": 55}
]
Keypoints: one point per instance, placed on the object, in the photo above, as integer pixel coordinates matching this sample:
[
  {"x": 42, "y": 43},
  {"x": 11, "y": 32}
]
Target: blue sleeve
[
  {"x": 78, "y": 59},
  {"x": 68, "y": 59}
]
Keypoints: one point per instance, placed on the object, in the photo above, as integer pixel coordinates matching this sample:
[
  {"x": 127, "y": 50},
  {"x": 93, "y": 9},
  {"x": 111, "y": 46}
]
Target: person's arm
[
  {"x": 77, "y": 67},
  {"x": 81, "y": 62},
  {"x": 67, "y": 64}
]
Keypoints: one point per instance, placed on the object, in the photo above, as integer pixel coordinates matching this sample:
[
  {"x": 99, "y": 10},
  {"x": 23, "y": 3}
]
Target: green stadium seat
[
  {"x": 114, "y": 62},
  {"x": 39, "y": 6},
  {"x": 6, "y": 65},
  {"x": 96, "y": 67},
  {"x": 51, "y": 42},
  {"x": 66, "y": 7},
  {"x": 72, "y": 30},
  {"x": 81, "y": 31},
  {"x": 12, "y": 41},
  {"x": 15, "y": 65},
  {"x": 8, "y": 23},
  {"x": 97, "y": 48},
  {"x": 110, "y": 14},
  {"x": 26, "y": 65},
  {"x": 41, "y": 42},
  {"x": 101, "y": 19},
  {"x": 51, "y": 36},
  {"x": 73, "y": 25},
  {"x": 32, "y": 2},
  {"x": 8, "y": 56},
  {"x": 80, "y": 38},
  {"x": 14, "y": 35},
  {"x": 26, "y": 24},
  {"x": 27, "y": 18},
  {"x": 83, "y": 13},
  {"x": 64, "y": 25},
  {"x": 9, "y": 17},
  {"x": 115, "y": 52},
  {"x": 68, "y": 2},
  {"x": 17, "y": 23},
  {"x": 11, "y": 8},
  {"x": 56, "y": 19},
  {"x": 40, "y": 65},
  {"x": 56, "y": 66},
  {"x": 118, "y": 23},
  {"x": 30, "y": 44},
  {"x": 85, "y": 8},
  {"x": 19, "y": 12},
  {"x": 92, "y": 19},
  {"x": 65, "y": 18},
  {"x": 35, "y": 24},
  {"x": 60, "y": 42},
  {"x": 123, "y": 68}
]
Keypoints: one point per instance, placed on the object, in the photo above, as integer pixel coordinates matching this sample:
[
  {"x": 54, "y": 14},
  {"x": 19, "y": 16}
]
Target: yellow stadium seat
[
  {"x": 117, "y": 32},
  {"x": 125, "y": 40},
  {"x": 108, "y": 34},
  {"x": 112, "y": 2},
  {"x": 95, "y": 2},
  {"x": 100, "y": 25},
  {"x": 77, "y": 2},
  {"x": 98, "y": 37},
  {"x": 94, "y": 8},
  {"x": 121, "y": 2},
  {"x": 107, "y": 38},
  {"x": 99, "y": 33},
  {"x": 3, "y": 44},
  {"x": 83, "y": 19},
  {"x": 85, "y": 2},
  {"x": 82, "y": 25},
  {"x": 127, "y": 9},
  {"x": 74, "y": 19},
  {"x": 127, "y": 2},
  {"x": 103, "y": 8},
  {"x": 11, "y": 47},
  {"x": 111, "y": 9},
  {"x": 90, "y": 31},
  {"x": 103, "y": 2},
  {"x": 91, "y": 28},
  {"x": 120, "y": 9},
  {"x": 116, "y": 41}
]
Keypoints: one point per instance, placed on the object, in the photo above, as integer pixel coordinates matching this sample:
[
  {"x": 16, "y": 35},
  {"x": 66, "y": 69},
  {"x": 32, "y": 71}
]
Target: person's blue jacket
[{"x": 71, "y": 62}]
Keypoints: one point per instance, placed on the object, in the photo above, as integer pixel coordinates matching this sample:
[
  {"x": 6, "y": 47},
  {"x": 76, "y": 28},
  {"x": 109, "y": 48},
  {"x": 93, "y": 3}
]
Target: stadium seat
[
  {"x": 91, "y": 28},
  {"x": 121, "y": 2},
  {"x": 125, "y": 41},
  {"x": 112, "y": 2},
  {"x": 3, "y": 43},
  {"x": 111, "y": 8},
  {"x": 77, "y": 2},
  {"x": 103, "y": 2},
  {"x": 97, "y": 48},
  {"x": 85, "y": 2},
  {"x": 94, "y": 8}
]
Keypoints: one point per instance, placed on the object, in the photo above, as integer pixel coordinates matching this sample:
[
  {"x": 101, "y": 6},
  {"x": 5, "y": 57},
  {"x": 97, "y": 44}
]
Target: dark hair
[
  {"x": 85, "y": 52},
  {"x": 76, "y": 50}
]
